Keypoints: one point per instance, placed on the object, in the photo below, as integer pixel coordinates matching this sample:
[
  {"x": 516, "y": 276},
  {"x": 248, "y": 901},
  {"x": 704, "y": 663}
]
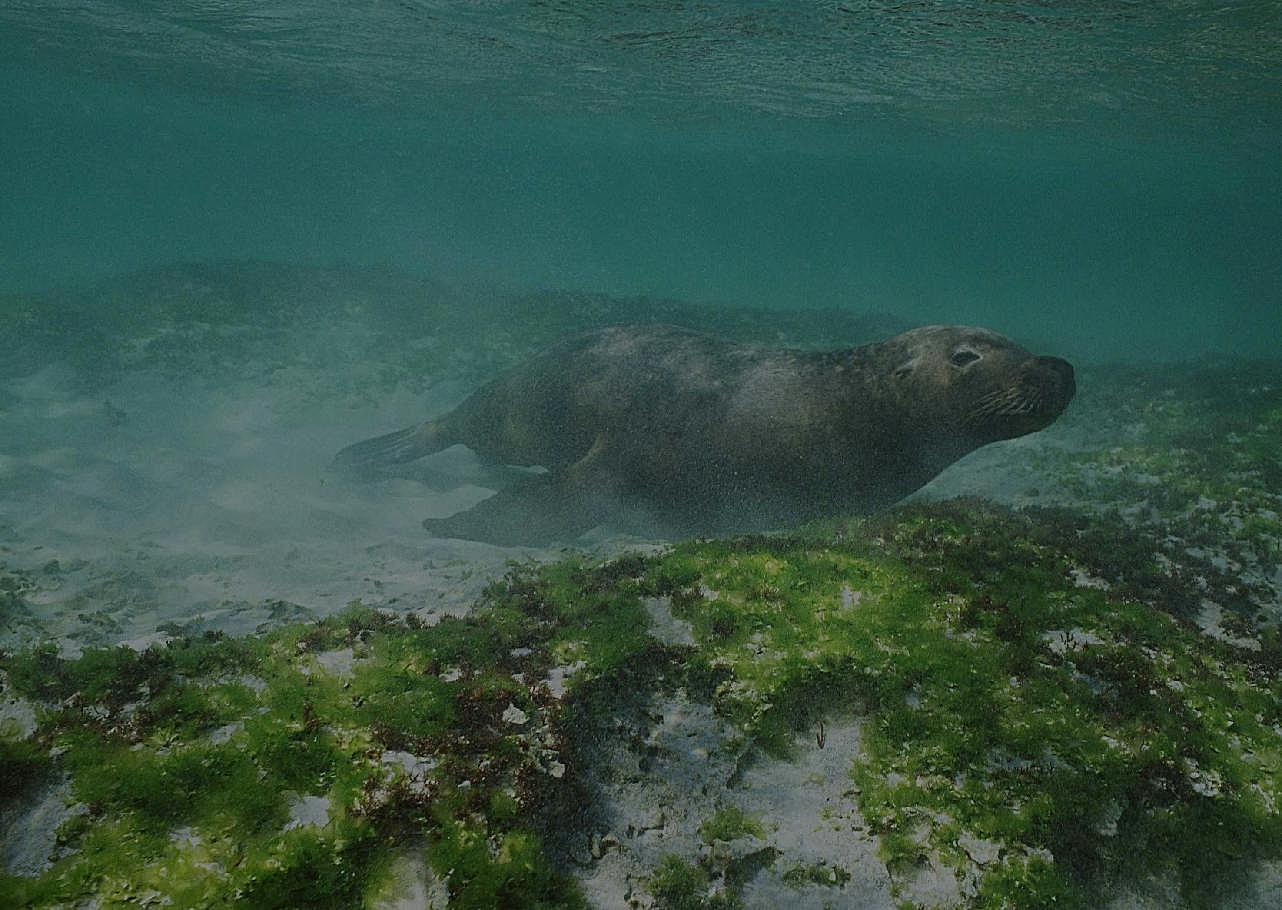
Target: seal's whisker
[
  {"x": 990, "y": 397},
  {"x": 1004, "y": 401}
]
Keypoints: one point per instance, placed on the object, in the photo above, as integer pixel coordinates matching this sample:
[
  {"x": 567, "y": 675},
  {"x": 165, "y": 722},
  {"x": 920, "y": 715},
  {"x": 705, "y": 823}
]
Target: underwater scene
[{"x": 670, "y": 455}]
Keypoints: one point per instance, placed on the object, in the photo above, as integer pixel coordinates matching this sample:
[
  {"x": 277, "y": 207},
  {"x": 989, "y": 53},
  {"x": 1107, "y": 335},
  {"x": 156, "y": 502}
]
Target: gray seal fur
[{"x": 702, "y": 435}]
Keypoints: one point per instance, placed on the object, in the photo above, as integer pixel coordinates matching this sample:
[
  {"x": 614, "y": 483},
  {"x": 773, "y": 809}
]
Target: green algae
[
  {"x": 1195, "y": 453},
  {"x": 1039, "y": 717},
  {"x": 817, "y": 874},
  {"x": 14, "y": 588},
  {"x": 678, "y": 885},
  {"x": 730, "y": 823},
  {"x": 191, "y": 773},
  {"x": 24, "y": 764},
  {"x": 1082, "y": 732}
]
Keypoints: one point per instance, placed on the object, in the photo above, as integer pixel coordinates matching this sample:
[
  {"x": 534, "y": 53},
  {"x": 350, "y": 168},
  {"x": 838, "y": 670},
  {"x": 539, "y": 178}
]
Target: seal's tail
[{"x": 392, "y": 449}]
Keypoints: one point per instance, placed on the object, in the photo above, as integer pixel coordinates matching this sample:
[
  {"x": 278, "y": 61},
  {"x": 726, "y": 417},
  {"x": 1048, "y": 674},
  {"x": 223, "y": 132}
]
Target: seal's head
[{"x": 983, "y": 387}]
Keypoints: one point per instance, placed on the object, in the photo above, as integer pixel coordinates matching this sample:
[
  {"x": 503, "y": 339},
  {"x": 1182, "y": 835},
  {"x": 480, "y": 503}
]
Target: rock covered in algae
[{"x": 954, "y": 705}]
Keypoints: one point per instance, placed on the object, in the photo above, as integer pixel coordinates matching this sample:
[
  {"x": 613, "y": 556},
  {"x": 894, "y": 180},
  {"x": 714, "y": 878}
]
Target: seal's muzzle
[
  {"x": 1058, "y": 382},
  {"x": 1043, "y": 387}
]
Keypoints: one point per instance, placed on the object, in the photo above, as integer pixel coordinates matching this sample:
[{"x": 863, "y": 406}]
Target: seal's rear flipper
[
  {"x": 391, "y": 449},
  {"x": 549, "y": 508},
  {"x": 554, "y": 507},
  {"x": 543, "y": 511}
]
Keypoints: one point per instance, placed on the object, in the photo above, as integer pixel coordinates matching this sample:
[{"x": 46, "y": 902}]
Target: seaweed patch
[{"x": 1038, "y": 722}]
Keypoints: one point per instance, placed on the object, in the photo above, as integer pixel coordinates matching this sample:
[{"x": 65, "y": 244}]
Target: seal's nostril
[
  {"x": 1062, "y": 369},
  {"x": 1058, "y": 364},
  {"x": 1067, "y": 377}
]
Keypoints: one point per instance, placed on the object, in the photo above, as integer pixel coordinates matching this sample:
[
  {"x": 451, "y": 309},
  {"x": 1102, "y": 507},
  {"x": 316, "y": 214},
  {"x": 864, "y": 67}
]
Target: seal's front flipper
[
  {"x": 555, "y": 507},
  {"x": 382, "y": 452}
]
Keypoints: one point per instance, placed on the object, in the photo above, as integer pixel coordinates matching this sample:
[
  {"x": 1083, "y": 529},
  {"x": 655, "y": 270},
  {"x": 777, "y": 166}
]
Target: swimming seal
[{"x": 703, "y": 435}]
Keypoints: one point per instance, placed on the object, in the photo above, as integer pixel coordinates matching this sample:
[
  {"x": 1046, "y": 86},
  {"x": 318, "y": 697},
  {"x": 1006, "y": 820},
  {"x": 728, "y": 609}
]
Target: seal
[{"x": 676, "y": 428}]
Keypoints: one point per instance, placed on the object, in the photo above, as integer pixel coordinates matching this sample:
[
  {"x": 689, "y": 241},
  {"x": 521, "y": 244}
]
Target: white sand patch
[
  {"x": 143, "y": 642},
  {"x": 675, "y": 764},
  {"x": 664, "y": 626},
  {"x": 809, "y": 804},
  {"x": 1063, "y": 642},
  {"x": 1083, "y": 579},
  {"x": 1210, "y": 619},
  {"x": 28, "y": 831},
  {"x": 559, "y": 676},
  {"x": 338, "y": 663},
  {"x": 17, "y": 716},
  {"x": 224, "y": 733},
  {"x": 308, "y": 810},
  {"x": 410, "y": 884}
]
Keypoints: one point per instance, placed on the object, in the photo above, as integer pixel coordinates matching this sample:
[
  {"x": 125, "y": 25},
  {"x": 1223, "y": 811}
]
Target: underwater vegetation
[
  {"x": 1039, "y": 720},
  {"x": 1194, "y": 454}
]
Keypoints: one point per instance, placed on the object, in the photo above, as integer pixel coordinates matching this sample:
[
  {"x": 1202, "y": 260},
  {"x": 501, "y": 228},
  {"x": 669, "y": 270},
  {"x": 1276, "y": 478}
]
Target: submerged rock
[
  {"x": 29, "y": 829},
  {"x": 926, "y": 708}
]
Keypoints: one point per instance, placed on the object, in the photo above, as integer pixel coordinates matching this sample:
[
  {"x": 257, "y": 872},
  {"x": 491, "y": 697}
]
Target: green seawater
[
  {"x": 1103, "y": 176},
  {"x": 236, "y": 237}
]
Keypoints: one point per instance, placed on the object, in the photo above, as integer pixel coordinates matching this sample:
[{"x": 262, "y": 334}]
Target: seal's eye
[{"x": 963, "y": 357}]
